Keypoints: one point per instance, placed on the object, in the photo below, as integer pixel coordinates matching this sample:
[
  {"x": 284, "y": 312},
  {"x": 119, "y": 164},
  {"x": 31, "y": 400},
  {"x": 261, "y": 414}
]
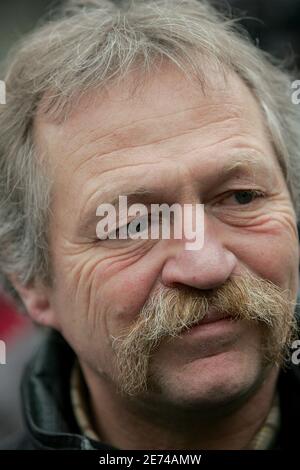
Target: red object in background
[{"x": 11, "y": 322}]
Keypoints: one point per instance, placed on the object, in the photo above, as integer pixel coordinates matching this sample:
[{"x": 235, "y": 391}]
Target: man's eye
[
  {"x": 139, "y": 227},
  {"x": 244, "y": 197},
  {"x": 135, "y": 227}
]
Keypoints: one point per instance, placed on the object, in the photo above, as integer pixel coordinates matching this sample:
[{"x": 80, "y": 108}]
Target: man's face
[{"x": 180, "y": 146}]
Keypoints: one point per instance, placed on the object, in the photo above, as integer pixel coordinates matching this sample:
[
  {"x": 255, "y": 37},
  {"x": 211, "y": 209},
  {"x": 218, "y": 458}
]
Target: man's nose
[{"x": 205, "y": 268}]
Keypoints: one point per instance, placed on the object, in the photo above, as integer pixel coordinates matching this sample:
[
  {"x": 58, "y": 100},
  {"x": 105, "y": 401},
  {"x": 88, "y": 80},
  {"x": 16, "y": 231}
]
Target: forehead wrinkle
[
  {"x": 107, "y": 156},
  {"x": 122, "y": 167},
  {"x": 214, "y": 103},
  {"x": 111, "y": 155},
  {"x": 135, "y": 124},
  {"x": 140, "y": 132},
  {"x": 200, "y": 118}
]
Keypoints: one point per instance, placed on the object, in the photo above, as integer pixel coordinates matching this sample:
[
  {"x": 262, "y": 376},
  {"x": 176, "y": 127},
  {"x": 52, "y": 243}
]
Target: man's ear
[{"x": 36, "y": 299}]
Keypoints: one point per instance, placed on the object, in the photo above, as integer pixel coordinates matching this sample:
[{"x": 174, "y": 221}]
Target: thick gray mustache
[{"x": 170, "y": 311}]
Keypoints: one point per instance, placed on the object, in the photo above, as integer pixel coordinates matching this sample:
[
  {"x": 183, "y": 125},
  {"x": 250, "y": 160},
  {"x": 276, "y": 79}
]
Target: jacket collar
[{"x": 46, "y": 399}]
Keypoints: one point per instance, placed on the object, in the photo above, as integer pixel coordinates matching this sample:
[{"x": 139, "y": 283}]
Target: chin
[{"x": 211, "y": 383}]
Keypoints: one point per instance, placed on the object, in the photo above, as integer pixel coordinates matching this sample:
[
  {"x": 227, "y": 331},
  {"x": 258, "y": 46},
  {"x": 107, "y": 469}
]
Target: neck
[{"x": 128, "y": 424}]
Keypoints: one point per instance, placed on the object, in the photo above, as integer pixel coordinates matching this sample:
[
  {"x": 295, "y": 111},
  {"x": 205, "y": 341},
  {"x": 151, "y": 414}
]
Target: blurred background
[{"x": 273, "y": 24}]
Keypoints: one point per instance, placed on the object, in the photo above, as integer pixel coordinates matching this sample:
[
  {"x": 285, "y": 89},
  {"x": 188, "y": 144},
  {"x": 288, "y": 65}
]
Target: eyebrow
[
  {"x": 140, "y": 194},
  {"x": 246, "y": 162},
  {"x": 242, "y": 162}
]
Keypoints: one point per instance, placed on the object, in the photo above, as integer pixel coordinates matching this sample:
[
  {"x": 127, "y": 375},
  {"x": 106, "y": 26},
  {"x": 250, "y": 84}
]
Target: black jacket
[{"x": 50, "y": 422}]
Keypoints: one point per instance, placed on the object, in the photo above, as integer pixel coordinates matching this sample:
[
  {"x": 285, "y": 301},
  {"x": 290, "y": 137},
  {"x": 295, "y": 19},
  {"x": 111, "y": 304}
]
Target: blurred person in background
[{"x": 89, "y": 380}]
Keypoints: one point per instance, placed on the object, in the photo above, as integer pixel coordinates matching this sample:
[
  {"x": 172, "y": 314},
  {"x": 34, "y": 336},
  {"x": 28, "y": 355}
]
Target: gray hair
[{"x": 90, "y": 44}]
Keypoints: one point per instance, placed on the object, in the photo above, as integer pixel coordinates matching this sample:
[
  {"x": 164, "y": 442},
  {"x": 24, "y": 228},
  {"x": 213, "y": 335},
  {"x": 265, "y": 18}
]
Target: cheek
[
  {"x": 123, "y": 289},
  {"x": 272, "y": 253}
]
